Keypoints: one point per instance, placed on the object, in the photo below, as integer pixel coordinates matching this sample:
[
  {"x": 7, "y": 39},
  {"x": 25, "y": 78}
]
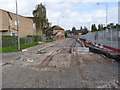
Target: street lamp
[
  {"x": 106, "y": 12},
  {"x": 103, "y": 40},
  {"x": 58, "y": 19},
  {"x": 17, "y": 26},
  {"x": 91, "y": 21}
]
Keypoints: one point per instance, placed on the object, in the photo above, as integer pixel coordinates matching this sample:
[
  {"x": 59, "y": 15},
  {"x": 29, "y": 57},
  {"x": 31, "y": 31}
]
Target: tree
[
  {"x": 73, "y": 28},
  {"x": 85, "y": 30},
  {"x": 40, "y": 19},
  {"x": 93, "y": 28},
  {"x": 117, "y": 25},
  {"x": 110, "y": 25},
  {"x": 100, "y": 27},
  {"x": 65, "y": 34},
  {"x": 113, "y": 26},
  {"x": 81, "y": 28}
]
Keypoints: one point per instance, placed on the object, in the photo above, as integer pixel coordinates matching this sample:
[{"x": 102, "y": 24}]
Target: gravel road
[{"x": 56, "y": 67}]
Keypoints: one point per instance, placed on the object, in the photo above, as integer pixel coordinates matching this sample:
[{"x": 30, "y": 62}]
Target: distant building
[
  {"x": 72, "y": 33},
  {"x": 119, "y": 12},
  {"x": 79, "y": 32},
  {"x": 57, "y": 32},
  {"x": 8, "y": 24}
]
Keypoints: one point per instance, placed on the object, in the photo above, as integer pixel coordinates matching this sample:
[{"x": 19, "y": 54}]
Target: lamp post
[
  {"x": 17, "y": 26},
  {"x": 58, "y": 19},
  {"x": 106, "y": 12},
  {"x": 91, "y": 21},
  {"x": 106, "y": 24}
]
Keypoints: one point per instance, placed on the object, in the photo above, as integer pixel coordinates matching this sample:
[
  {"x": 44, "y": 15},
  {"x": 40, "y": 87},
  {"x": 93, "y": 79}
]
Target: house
[
  {"x": 57, "y": 32},
  {"x": 79, "y": 32},
  {"x": 8, "y": 24},
  {"x": 70, "y": 33}
]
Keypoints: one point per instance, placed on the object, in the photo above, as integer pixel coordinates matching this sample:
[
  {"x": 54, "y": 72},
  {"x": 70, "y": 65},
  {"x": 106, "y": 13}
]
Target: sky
[{"x": 68, "y": 13}]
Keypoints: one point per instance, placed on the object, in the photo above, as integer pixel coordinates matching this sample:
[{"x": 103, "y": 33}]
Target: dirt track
[{"x": 56, "y": 67}]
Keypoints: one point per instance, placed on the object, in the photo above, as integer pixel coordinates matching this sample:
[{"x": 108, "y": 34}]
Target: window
[
  {"x": 59, "y": 33},
  {"x": 34, "y": 26},
  {"x": 13, "y": 33},
  {"x": 16, "y": 22}
]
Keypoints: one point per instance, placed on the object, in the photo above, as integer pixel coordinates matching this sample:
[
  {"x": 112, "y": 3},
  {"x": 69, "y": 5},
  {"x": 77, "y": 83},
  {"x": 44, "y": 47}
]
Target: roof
[
  {"x": 80, "y": 31},
  {"x": 70, "y": 32},
  {"x": 56, "y": 27},
  {"x": 14, "y": 13},
  {"x": 3, "y": 30},
  {"x": 31, "y": 17}
]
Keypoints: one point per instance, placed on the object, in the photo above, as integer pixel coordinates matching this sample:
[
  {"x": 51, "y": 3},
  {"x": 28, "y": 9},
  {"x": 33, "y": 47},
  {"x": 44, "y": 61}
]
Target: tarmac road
[{"x": 6, "y": 57}]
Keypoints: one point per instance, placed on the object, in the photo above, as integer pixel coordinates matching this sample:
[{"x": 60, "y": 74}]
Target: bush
[
  {"x": 9, "y": 41},
  {"x": 65, "y": 34},
  {"x": 22, "y": 40},
  {"x": 12, "y": 40},
  {"x": 36, "y": 38}
]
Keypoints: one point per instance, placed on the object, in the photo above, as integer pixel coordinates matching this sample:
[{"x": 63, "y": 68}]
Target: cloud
[
  {"x": 67, "y": 13},
  {"x": 76, "y": 0}
]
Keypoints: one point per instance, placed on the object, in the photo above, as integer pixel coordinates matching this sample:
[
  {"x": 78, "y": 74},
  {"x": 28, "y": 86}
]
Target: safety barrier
[{"x": 109, "y": 38}]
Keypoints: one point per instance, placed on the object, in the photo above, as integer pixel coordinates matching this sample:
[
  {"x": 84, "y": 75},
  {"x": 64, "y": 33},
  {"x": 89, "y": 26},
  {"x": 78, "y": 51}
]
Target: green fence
[{"x": 12, "y": 40}]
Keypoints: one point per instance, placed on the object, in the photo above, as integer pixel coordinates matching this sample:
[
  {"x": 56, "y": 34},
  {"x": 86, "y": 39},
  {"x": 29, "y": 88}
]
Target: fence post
[
  {"x": 32, "y": 39},
  {"x": 118, "y": 37},
  {"x": 96, "y": 38},
  {"x": 111, "y": 37},
  {"x": 101, "y": 44},
  {"x": 15, "y": 40},
  {"x": 25, "y": 39}
]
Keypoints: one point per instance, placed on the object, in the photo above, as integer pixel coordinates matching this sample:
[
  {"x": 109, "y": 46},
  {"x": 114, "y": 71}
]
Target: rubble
[
  {"x": 82, "y": 49},
  {"x": 40, "y": 42},
  {"x": 53, "y": 66},
  {"x": 29, "y": 60},
  {"x": 40, "y": 52},
  {"x": 111, "y": 84},
  {"x": 24, "y": 50}
]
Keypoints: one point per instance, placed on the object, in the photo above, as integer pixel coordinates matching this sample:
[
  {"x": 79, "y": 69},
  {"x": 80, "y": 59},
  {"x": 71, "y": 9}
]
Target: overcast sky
[{"x": 68, "y": 13}]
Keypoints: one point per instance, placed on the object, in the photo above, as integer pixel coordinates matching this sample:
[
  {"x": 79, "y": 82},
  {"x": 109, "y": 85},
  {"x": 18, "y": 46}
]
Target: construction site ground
[{"x": 51, "y": 65}]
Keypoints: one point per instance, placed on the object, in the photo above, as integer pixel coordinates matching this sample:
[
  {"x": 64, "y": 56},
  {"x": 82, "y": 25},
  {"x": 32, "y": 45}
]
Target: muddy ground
[{"x": 56, "y": 67}]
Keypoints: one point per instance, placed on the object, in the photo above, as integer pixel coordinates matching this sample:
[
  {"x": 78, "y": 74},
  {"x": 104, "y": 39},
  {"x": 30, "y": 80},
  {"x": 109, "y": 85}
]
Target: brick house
[
  {"x": 57, "y": 32},
  {"x": 8, "y": 24}
]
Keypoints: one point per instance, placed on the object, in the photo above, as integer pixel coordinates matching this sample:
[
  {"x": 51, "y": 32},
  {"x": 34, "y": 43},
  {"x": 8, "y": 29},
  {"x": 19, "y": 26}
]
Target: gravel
[{"x": 58, "y": 68}]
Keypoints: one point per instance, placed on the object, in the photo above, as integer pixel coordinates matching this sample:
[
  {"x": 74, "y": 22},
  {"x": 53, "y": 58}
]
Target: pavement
[{"x": 56, "y": 67}]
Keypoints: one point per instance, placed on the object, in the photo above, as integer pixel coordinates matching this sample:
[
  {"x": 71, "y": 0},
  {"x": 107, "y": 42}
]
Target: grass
[
  {"x": 47, "y": 41},
  {"x": 14, "y": 48},
  {"x": 22, "y": 46}
]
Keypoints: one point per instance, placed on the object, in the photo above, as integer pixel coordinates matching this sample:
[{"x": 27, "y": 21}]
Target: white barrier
[{"x": 108, "y": 38}]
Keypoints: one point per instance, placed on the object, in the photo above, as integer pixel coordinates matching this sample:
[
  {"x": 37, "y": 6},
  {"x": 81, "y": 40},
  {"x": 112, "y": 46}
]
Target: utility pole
[
  {"x": 17, "y": 26},
  {"x": 9, "y": 24}
]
